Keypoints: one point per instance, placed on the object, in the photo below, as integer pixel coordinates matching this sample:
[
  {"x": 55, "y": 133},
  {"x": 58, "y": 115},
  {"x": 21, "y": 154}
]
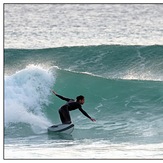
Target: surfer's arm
[
  {"x": 85, "y": 113},
  {"x": 61, "y": 97}
]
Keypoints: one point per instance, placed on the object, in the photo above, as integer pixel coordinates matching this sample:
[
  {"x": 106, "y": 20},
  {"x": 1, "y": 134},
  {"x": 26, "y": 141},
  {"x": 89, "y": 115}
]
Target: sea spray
[{"x": 26, "y": 93}]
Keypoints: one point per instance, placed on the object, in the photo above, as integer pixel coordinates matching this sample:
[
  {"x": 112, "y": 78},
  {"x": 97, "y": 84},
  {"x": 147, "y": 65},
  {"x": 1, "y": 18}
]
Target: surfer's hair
[{"x": 79, "y": 98}]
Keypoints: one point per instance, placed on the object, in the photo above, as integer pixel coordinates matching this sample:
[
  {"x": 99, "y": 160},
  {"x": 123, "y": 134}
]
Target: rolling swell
[
  {"x": 125, "y": 109},
  {"x": 108, "y": 61}
]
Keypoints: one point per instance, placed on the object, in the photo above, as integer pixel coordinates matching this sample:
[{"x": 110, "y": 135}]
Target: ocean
[{"x": 110, "y": 53}]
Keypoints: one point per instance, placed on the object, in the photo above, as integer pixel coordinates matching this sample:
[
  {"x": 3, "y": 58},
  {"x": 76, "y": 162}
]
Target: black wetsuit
[{"x": 69, "y": 106}]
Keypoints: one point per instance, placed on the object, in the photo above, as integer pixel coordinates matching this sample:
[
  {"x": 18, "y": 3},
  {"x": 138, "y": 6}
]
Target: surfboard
[{"x": 62, "y": 128}]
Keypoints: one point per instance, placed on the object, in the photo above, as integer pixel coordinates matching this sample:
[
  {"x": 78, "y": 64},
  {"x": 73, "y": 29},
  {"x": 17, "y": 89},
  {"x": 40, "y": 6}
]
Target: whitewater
[{"x": 110, "y": 53}]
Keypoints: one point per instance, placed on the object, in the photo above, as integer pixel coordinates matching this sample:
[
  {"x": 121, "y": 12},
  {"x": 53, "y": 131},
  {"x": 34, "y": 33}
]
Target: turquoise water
[
  {"x": 127, "y": 107},
  {"x": 122, "y": 85}
]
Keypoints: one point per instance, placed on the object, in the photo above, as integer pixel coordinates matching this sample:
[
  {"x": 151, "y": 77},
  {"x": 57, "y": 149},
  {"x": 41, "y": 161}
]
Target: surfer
[{"x": 69, "y": 106}]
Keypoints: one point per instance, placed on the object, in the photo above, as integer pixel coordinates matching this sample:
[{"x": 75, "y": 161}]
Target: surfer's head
[{"x": 80, "y": 99}]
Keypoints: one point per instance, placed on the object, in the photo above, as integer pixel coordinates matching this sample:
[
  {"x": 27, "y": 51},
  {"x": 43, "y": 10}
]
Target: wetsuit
[{"x": 69, "y": 106}]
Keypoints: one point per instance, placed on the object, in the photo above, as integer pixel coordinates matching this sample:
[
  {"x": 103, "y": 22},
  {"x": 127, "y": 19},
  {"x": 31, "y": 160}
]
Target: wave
[
  {"x": 26, "y": 95},
  {"x": 107, "y": 61},
  {"x": 122, "y": 86},
  {"x": 125, "y": 110}
]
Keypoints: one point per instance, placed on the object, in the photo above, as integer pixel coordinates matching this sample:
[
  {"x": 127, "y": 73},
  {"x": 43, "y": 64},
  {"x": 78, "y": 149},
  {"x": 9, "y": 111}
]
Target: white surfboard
[{"x": 62, "y": 128}]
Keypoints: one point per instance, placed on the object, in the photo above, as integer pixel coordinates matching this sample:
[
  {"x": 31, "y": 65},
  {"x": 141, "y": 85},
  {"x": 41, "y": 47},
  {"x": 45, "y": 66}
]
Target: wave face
[{"x": 122, "y": 86}]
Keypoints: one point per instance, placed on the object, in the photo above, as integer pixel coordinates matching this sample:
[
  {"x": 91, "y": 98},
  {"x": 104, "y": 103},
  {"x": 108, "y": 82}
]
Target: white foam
[
  {"x": 86, "y": 149},
  {"x": 25, "y": 94}
]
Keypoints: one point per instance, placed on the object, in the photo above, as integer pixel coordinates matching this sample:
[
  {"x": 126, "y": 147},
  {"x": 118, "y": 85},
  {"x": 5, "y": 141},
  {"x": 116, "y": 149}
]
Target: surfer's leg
[
  {"x": 64, "y": 115},
  {"x": 61, "y": 117},
  {"x": 67, "y": 116}
]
